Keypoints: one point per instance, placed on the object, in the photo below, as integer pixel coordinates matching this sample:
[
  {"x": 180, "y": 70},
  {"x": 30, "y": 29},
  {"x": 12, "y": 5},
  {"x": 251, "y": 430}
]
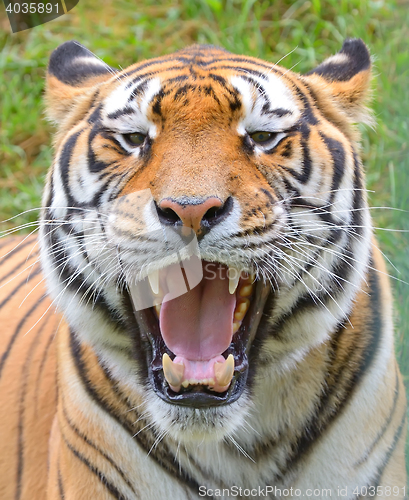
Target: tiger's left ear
[
  {"x": 73, "y": 75},
  {"x": 342, "y": 82}
]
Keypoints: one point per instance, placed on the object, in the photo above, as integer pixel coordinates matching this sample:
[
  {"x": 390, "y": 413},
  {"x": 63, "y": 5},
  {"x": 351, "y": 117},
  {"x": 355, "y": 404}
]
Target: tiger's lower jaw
[
  {"x": 212, "y": 381},
  {"x": 188, "y": 425}
]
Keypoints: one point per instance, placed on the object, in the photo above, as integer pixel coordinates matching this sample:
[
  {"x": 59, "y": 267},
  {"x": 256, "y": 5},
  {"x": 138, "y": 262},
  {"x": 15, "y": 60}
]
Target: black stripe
[
  {"x": 374, "y": 483},
  {"x": 234, "y": 101},
  {"x": 138, "y": 90},
  {"x": 81, "y": 435},
  {"x": 49, "y": 189},
  {"x": 7, "y": 240},
  {"x": 385, "y": 426},
  {"x": 115, "y": 493},
  {"x": 378, "y": 478},
  {"x": 216, "y": 62},
  {"x": 22, "y": 321},
  {"x": 42, "y": 364},
  {"x": 20, "y": 266},
  {"x": 338, "y": 162},
  {"x": 306, "y": 157},
  {"x": 358, "y": 201},
  {"x": 21, "y": 413},
  {"x": 249, "y": 232},
  {"x": 94, "y": 166},
  {"x": 305, "y": 174},
  {"x": 127, "y": 110},
  {"x": 107, "y": 134},
  {"x": 94, "y": 114},
  {"x": 376, "y": 323},
  {"x": 19, "y": 246},
  {"x": 65, "y": 161},
  {"x": 60, "y": 482},
  {"x": 246, "y": 71},
  {"x": 321, "y": 211}
]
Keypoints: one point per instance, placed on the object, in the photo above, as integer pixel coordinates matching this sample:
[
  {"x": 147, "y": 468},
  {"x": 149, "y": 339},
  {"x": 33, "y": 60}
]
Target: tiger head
[{"x": 225, "y": 183}]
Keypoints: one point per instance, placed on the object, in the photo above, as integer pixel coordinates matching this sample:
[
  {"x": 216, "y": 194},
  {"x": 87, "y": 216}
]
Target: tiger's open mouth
[{"x": 198, "y": 343}]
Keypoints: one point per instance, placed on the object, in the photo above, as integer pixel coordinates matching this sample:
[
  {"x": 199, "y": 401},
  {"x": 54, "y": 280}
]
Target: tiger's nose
[{"x": 195, "y": 213}]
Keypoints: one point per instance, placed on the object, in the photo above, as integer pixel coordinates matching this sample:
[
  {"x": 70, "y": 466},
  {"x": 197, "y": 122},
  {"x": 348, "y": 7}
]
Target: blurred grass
[{"x": 305, "y": 32}]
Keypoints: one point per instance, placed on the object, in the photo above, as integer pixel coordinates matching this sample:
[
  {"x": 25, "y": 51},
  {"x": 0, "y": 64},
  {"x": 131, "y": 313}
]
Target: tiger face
[{"x": 229, "y": 178}]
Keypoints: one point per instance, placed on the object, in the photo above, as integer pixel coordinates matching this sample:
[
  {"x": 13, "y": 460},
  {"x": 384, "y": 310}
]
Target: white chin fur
[{"x": 192, "y": 425}]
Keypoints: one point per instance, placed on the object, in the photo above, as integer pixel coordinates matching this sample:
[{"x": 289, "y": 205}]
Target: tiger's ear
[
  {"x": 72, "y": 75},
  {"x": 343, "y": 82}
]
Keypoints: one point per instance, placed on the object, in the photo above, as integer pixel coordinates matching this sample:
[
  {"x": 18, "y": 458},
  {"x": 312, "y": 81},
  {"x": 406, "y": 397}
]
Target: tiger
[{"x": 205, "y": 311}]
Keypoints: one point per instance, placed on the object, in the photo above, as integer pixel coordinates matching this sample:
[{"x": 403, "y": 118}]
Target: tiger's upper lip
[{"x": 200, "y": 396}]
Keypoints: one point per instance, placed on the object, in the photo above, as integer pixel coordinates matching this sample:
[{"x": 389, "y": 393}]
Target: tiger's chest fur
[{"x": 225, "y": 316}]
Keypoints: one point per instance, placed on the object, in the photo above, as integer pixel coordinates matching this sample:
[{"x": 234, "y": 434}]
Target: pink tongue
[{"x": 198, "y": 325}]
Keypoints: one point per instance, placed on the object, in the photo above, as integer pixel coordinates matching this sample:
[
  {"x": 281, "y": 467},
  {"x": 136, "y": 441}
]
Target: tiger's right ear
[
  {"x": 73, "y": 73},
  {"x": 341, "y": 84}
]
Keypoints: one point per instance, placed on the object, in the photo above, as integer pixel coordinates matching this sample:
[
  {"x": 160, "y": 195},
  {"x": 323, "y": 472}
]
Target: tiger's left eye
[
  {"x": 135, "y": 139},
  {"x": 261, "y": 137}
]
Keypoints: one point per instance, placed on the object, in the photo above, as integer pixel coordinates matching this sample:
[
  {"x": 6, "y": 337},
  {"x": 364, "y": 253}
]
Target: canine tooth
[
  {"x": 223, "y": 372},
  {"x": 153, "y": 278},
  {"x": 234, "y": 278},
  {"x": 236, "y": 326},
  {"x": 246, "y": 291},
  {"x": 173, "y": 372}
]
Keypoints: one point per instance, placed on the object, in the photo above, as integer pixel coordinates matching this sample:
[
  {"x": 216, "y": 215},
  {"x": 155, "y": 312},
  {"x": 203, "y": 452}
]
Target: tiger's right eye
[
  {"x": 135, "y": 139},
  {"x": 260, "y": 137}
]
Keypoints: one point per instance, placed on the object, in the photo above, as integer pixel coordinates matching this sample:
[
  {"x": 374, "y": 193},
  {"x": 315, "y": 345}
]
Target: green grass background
[{"x": 305, "y": 32}]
